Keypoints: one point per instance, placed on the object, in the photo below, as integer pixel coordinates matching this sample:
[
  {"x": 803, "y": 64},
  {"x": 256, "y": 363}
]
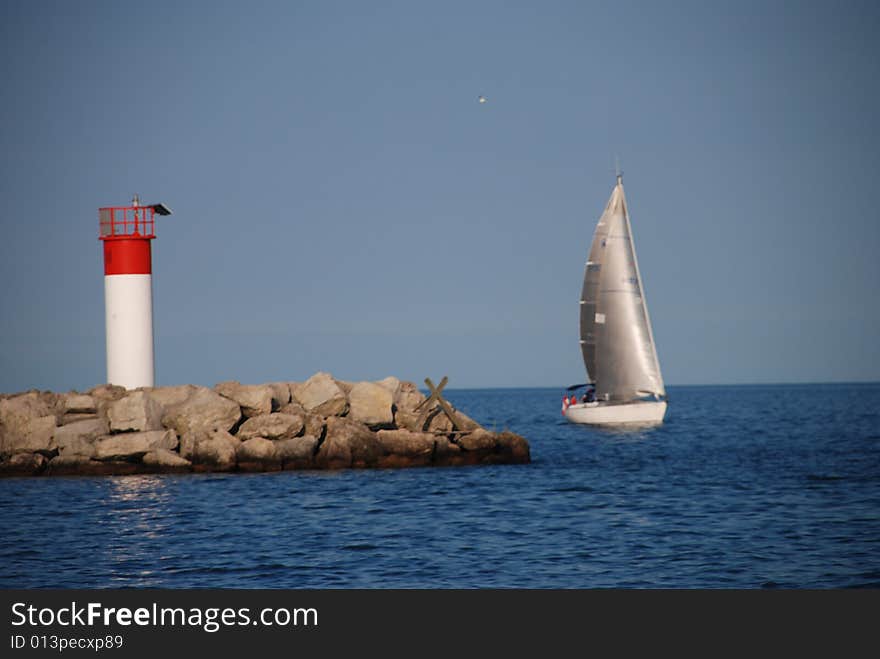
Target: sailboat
[{"x": 625, "y": 385}]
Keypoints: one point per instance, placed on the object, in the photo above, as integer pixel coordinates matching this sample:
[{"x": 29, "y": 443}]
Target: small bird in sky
[{"x": 482, "y": 99}]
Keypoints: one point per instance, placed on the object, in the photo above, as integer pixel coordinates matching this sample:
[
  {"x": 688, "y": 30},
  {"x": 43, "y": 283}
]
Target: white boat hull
[{"x": 603, "y": 414}]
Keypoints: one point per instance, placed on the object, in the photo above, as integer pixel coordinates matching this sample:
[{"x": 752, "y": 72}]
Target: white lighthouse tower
[{"x": 126, "y": 232}]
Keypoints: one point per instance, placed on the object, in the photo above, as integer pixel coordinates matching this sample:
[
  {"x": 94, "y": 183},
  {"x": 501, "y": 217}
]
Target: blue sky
[{"x": 343, "y": 203}]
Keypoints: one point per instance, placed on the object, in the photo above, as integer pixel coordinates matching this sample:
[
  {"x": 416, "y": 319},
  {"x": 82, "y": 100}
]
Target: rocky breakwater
[{"x": 322, "y": 423}]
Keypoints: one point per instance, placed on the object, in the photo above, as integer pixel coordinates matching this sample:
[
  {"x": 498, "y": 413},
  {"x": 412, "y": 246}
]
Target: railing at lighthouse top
[{"x": 133, "y": 221}]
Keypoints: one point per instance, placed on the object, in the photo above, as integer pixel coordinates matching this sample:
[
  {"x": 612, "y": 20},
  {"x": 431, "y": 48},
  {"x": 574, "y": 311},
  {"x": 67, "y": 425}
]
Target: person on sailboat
[{"x": 590, "y": 395}]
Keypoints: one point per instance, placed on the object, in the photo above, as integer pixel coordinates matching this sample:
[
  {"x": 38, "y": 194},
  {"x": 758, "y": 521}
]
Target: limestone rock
[
  {"x": 345, "y": 385},
  {"x": 271, "y": 426},
  {"x": 73, "y": 417},
  {"x": 292, "y": 408},
  {"x": 80, "y": 465},
  {"x": 314, "y": 424},
  {"x": 254, "y": 399},
  {"x": 204, "y": 410},
  {"x": 403, "y": 448},
  {"x": 23, "y": 464},
  {"x": 258, "y": 454},
  {"x": 438, "y": 422},
  {"x": 134, "y": 445},
  {"x": 173, "y": 395},
  {"x": 347, "y": 444},
  {"x": 482, "y": 446},
  {"x": 479, "y": 440},
  {"x": 166, "y": 460},
  {"x": 73, "y": 403},
  {"x": 320, "y": 394},
  {"x": 408, "y": 397},
  {"x": 512, "y": 449},
  {"x": 370, "y": 404},
  {"x": 79, "y": 436},
  {"x": 68, "y": 463},
  {"x": 24, "y": 424},
  {"x": 464, "y": 422},
  {"x": 446, "y": 453},
  {"x": 406, "y": 442},
  {"x": 280, "y": 395},
  {"x": 297, "y": 453},
  {"x": 107, "y": 392},
  {"x": 104, "y": 395},
  {"x": 392, "y": 384},
  {"x": 83, "y": 446},
  {"x": 214, "y": 451},
  {"x": 38, "y": 437},
  {"x": 408, "y": 420},
  {"x": 135, "y": 412}
]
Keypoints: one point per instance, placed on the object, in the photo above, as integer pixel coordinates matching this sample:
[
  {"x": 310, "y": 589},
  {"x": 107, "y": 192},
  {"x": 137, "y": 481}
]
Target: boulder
[
  {"x": 83, "y": 446},
  {"x": 134, "y": 445},
  {"x": 25, "y": 424},
  {"x": 479, "y": 440},
  {"x": 293, "y": 408},
  {"x": 170, "y": 396},
  {"x": 20, "y": 407},
  {"x": 409, "y": 420},
  {"x": 165, "y": 460},
  {"x": 482, "y": 446},
  {"x": 258, "y": 454},
  {"x": 203, "y": 411},
  {"x": 271, "y": 426},
  {"x": 447, "y": 453},
  {"x": 23, "y": 464},
  {"x": 297, "y": 453},
  {"x": 67, "y": 419},
  {"x": 438, "y": 422},
  {"x": 370, "y": 404},
  {"x": 254, "y": 399},
  {"x": 512, "y": 449},
  {"x": 74, "y": 403},
  {"x": 105, "y": 394},
  {"x": 406, "y": 442},
  {"x": 345, "y": 385},
  {"x": 406, "y": 401},
  {"x": 403, "y": 448},
  {"x": 37, "y": 436},
  {"x": 213, "y": 451},
  {"x": 320, "y": 394},
  {"x": 79, "y": 436},
  {"x": 280, "y": 394},
  {"x": 408, "y": 397},
  {"x": 80, "y": 465},
  {"x": 314, "y": 425},
  {"x": 347, "y": 444},
  {"x": 135, "y": 412},
  {"x": 392, "y": 384}
]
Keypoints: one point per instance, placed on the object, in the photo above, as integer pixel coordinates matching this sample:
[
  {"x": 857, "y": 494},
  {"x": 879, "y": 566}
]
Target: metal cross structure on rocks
[{"x": 437, "y": 398}]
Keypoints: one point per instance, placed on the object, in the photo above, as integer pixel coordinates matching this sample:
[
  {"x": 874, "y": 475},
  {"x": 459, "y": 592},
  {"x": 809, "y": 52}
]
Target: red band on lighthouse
[{"x": 127, "y": 256}]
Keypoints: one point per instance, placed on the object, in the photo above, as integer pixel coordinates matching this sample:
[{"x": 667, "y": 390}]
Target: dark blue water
[{"x": 742, "y": 487}]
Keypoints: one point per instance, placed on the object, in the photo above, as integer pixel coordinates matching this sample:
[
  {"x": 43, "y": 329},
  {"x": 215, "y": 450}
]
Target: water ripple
[{"x": 743, "y": 487}]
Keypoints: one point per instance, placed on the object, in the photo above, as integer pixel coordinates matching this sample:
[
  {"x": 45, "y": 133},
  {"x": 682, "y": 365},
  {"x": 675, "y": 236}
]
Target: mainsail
[{"x": 616, "y": 337}]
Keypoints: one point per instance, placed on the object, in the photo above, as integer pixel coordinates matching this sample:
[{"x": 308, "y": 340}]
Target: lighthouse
[{"x": 126, "y": 233}]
